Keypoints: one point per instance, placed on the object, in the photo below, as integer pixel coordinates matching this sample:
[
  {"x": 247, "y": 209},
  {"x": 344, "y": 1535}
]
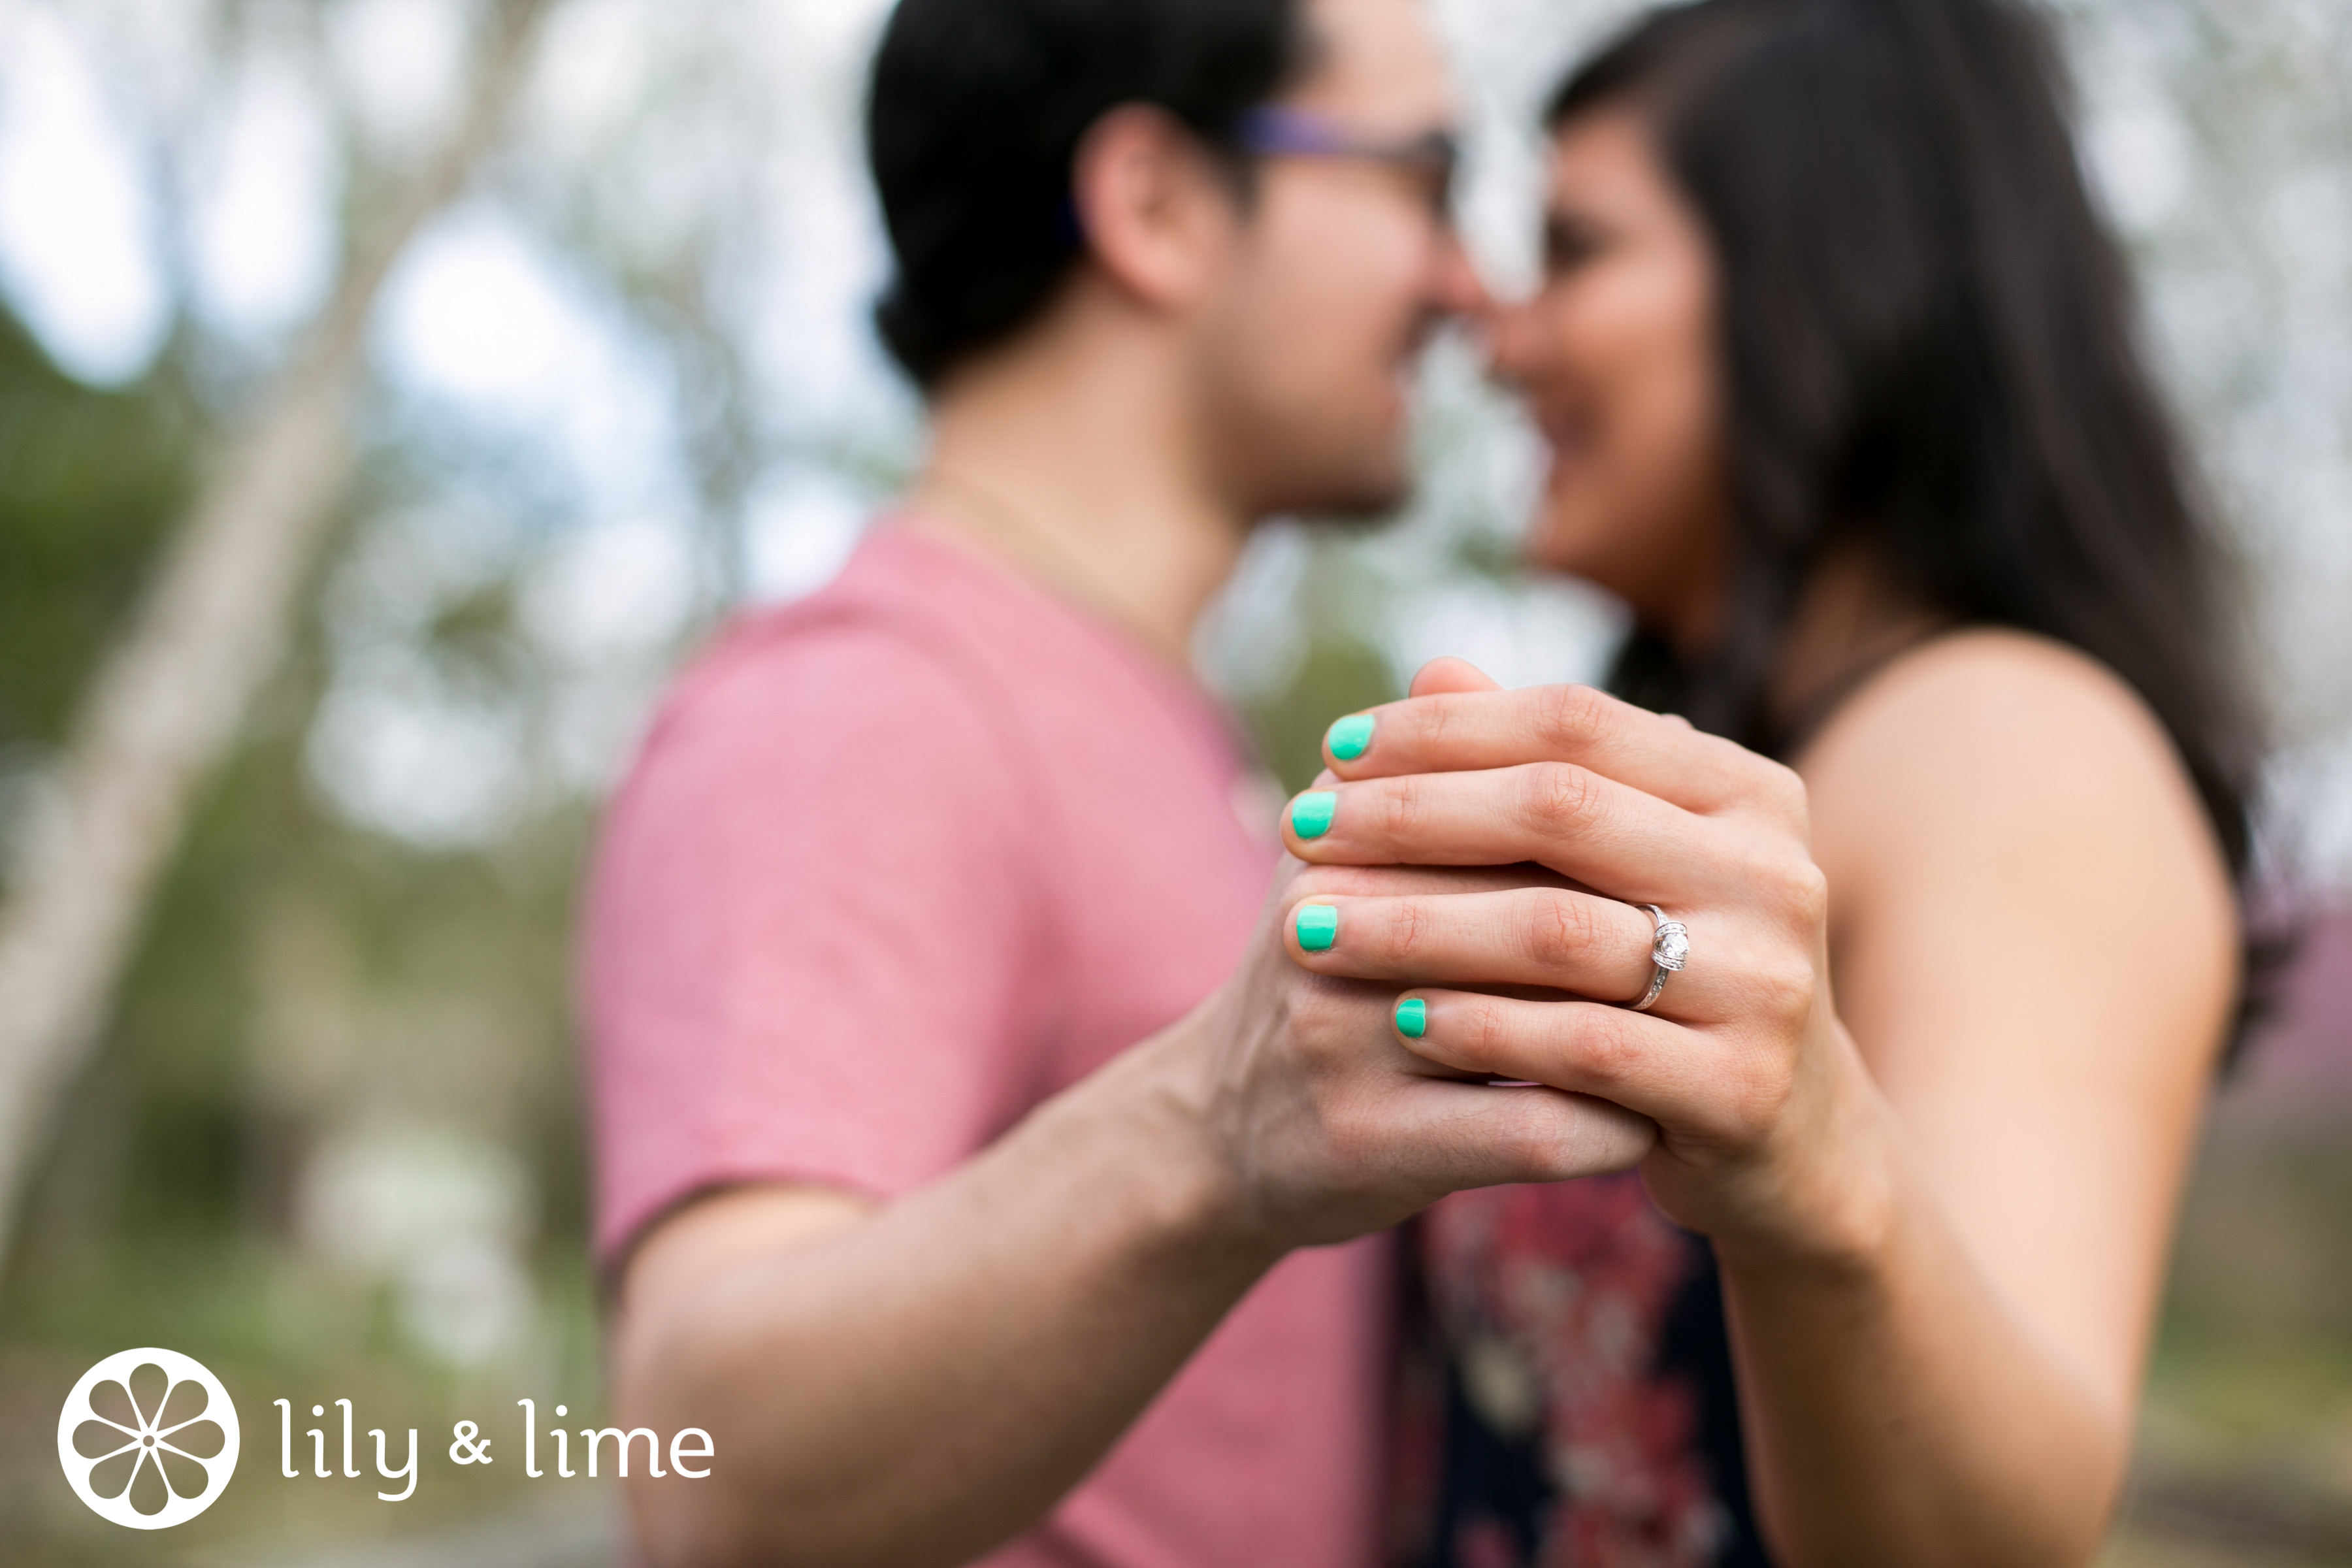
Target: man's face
[{"x": 1341, "y": 268}]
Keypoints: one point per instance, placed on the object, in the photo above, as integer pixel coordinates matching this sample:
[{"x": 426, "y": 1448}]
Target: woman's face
[{"x": 1616, "y": 357}]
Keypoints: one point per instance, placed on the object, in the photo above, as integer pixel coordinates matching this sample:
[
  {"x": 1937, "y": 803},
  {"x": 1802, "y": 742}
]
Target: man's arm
[{"x": 918, "y": 1382}]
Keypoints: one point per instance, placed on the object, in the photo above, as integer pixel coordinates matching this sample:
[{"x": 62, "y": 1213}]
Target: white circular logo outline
[{"x": 178, "y": 1369}]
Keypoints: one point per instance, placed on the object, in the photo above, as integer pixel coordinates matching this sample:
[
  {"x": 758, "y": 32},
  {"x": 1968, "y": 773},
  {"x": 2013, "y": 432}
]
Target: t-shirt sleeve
[{"x": 809, "y": 932}]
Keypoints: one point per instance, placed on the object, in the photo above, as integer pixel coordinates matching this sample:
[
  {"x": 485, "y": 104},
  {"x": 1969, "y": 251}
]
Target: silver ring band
[{"x": 1669, "y": 952}]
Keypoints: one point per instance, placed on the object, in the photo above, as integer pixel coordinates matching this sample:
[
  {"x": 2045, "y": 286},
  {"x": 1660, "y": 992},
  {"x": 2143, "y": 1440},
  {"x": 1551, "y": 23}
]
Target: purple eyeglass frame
[{"x": 1274, "y": 131}]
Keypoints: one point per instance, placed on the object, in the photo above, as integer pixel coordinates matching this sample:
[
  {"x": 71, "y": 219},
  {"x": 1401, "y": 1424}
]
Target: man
[{"x": 932, "y": 1187}]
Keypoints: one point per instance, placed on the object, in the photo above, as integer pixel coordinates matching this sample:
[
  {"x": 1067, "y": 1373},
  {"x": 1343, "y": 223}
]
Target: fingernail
[
  {"x": 1310, "y": 814},
  {"x": 1413, "y": 1017},
  {"x": 1318, "y": 927},
  {"x": 1352, "y": 737}
]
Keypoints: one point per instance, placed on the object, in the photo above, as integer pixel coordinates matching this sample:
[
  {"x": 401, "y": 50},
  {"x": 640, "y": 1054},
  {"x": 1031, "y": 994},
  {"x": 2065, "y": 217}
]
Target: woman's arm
[
  {"x": 1940, "y": 1246},
  {"x": 2035, "y": 951}
]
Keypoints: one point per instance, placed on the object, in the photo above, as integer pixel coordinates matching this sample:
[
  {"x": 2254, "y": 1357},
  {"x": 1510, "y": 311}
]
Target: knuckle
[
  {"x": 1532, "y": 1144},
  {"x": 1317, "y": 1014},
  {"x": 1410, "y": 932},
  {"x": 1559, "y": 1147},
  {"x": 1798, "y": 804},
  {"x": 1403, "y": 806},
  {"x": 1798, "y": 891},
  {"x": 1559, "y": 797},
  {"x": 1570, "y": 716},
  {"x": 1605, "y": 1052},
  {"x": 1440, "y": 719},
  {"x": 1560, "y": 929},
  {"x": 1810, "y": 894},
  {"x": 1782, "y": 987},
  {"x": 1779, "y": 789},
  {"x": 1352, "y": 1141},
  {"x": 1481, "y": 1032},
  {"x": 1761, "y": 1091},
  {"x": 1778, "y": 881}
]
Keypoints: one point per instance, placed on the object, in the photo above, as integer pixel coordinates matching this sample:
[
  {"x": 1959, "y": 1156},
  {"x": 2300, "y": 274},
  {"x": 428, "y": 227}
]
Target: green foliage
[
  {"x": 1338, "y": 676},
  {"x": 297, "y": 976},
  {"x": 90, "y": 481},
  {"x": 1340, "y": 671}
]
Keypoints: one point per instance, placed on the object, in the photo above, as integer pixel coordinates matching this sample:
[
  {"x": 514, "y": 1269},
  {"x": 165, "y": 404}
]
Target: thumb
[{"x": 1440, "y": 676}]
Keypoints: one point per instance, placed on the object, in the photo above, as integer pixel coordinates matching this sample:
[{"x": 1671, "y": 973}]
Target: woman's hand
[
  {"x": 1771, "y": 1134},
  {"x": 1939, "y": 1269}
]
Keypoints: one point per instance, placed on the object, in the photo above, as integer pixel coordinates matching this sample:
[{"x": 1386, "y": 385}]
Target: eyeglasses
[{"x": 1432, "y": 159}]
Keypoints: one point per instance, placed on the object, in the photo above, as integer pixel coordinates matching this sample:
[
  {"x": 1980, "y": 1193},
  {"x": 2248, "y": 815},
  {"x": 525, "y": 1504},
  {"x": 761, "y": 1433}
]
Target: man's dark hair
[{"x": 975, "y": 113}]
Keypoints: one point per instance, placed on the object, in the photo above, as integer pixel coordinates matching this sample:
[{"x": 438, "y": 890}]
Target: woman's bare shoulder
[
  {"x": 2002, "y": 744},
  {"x": 1989, "y": 704}
]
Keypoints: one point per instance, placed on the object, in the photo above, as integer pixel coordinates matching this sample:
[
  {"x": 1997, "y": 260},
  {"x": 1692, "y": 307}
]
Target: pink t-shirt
[{"x": 900, "y": 861}]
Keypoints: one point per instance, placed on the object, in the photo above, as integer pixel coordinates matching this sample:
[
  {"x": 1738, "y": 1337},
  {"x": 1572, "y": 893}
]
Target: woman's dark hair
[
  {"x": 974, "y": 115},
  {"x": 1928, "y": 350}
]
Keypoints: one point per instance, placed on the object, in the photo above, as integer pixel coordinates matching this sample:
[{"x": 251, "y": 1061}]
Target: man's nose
[{"x": 1456, "y": 286}]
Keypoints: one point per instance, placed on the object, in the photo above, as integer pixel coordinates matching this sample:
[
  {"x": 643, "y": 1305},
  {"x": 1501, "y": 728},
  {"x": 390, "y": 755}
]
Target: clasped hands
[{"x": 1467, "y": 916}]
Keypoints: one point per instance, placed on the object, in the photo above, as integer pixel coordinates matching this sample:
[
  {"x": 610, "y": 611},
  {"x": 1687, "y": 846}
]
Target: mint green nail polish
[
  {"x": 1318, "y": 927},
  {"x": 1352, "y": 737},
  {"x": 1413, "y": 1017},
  {"x": 1310, "y": 814}
]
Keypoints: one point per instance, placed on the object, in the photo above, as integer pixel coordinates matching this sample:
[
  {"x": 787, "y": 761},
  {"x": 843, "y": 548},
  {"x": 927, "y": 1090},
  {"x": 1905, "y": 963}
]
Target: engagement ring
[{"x": 1669, "y": 951}]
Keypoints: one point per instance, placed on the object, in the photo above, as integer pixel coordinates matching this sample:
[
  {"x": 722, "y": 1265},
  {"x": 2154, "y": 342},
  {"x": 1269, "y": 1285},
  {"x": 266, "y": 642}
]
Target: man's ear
[{"x": 1156, "y": 212}]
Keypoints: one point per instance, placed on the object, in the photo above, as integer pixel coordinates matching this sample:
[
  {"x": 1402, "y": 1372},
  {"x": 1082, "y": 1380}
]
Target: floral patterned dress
[
  {"x": 1578, "y": 1409},
  {"x": 1567, "y": 1399}
]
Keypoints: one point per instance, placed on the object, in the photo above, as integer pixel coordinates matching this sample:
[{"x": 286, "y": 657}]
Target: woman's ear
[
  {"x": 1156, "y": 213},
  {"x": 1442, "y": 675}
]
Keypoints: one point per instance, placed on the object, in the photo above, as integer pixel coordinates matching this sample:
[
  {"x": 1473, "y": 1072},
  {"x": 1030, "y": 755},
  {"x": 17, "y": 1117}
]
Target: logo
[{"x": 148, "y": 1438}]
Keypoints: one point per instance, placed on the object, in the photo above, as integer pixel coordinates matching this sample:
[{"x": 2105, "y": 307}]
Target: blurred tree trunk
[{"x": 168, "y": 701}]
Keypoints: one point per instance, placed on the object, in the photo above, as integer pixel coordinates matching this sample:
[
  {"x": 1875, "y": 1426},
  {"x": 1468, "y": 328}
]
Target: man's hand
[
  {"x": 1324, "y": 1121},
  {"x": 918, "y": 1381}
]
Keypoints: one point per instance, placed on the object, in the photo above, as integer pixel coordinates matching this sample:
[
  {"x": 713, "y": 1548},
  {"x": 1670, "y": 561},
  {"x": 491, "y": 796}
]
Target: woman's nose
[{"x": 1503, "y": 327}]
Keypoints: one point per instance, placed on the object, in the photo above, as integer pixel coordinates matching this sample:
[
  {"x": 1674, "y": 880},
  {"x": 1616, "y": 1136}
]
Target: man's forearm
[{"x": 925, "y": 1383}]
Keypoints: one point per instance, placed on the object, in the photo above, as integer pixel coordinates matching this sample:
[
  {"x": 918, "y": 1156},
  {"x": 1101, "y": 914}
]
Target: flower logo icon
[{"x": 148, "y": 1438}]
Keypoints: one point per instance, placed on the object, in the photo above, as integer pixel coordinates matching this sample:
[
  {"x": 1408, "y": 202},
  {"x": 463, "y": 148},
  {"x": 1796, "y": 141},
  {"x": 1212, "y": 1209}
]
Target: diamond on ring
[{"x": 1669, "y": 954}]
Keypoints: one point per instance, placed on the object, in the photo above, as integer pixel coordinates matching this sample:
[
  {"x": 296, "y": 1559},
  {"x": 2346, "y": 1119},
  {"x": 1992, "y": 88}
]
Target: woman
[{"x": 1833, "y": 356}]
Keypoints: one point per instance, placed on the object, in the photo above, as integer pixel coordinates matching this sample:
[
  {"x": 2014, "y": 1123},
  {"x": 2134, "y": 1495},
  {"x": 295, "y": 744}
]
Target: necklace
[{"x": 1010, "y": 529}]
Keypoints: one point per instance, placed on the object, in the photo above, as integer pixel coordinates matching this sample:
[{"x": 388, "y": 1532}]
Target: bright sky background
[{"x": 727, "y": 128}]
